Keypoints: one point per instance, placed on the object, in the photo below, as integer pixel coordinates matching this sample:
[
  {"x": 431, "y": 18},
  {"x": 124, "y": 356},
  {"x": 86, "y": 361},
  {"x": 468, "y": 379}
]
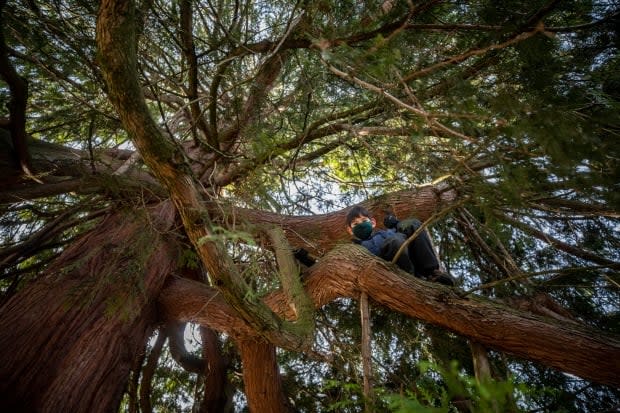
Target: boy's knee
[{"x": 408, "y": 226}]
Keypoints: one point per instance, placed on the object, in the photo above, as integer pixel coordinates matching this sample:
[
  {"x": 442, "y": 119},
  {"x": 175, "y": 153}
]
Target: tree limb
[
  {"x": 148, "y": 371},
  {"x": 189, "y": 52},
  {"x": 349, "y": 269},
  {"x": 116, "y": 40},
  {"x": 175, "y": 332},
  {"x": 288, "y": 271}
]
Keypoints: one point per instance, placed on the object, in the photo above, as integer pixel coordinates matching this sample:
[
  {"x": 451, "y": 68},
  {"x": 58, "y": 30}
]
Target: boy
[{"x": 418, "y": 258}]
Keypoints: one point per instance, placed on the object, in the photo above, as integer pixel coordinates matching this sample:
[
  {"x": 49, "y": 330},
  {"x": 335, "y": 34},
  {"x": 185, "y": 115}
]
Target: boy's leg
[
  {"x": 390, "y": 247},
  {"x": 421, "y": 250},
  {"x": 422, "y": 254}
]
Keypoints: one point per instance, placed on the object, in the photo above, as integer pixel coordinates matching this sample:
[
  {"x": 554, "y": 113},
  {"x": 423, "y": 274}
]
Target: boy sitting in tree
[{"x": 418, "y": 259}]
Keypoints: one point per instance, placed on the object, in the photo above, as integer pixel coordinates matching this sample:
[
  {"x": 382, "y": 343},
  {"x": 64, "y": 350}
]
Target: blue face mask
[{"x": 363, "y": 230}]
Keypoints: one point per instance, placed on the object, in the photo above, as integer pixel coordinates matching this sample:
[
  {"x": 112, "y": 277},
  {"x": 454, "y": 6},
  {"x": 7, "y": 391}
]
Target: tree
[{"x": 163, "y": 160}]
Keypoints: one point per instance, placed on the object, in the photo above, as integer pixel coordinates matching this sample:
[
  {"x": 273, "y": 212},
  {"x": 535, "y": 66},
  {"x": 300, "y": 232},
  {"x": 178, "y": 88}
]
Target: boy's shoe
[{"x": 442, "y": 277}]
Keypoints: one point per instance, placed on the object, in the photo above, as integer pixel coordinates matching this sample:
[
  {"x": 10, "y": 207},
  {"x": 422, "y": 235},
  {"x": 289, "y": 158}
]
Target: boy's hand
[
  {"x": 390, "y": 221},
  {"x": 302, "y": 256},
  {"x": 408, "y": 226}
]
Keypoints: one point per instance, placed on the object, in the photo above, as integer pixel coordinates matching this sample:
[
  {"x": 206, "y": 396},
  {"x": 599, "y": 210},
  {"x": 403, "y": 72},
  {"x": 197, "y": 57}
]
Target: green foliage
[
  {"x": 189, "y": 259},
  {"x": 349, "y": 394},
  {"x": 455, "y": 387}
]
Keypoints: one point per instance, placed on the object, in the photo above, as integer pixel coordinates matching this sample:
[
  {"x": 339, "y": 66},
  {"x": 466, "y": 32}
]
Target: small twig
[{"x": 290, "y": 28}]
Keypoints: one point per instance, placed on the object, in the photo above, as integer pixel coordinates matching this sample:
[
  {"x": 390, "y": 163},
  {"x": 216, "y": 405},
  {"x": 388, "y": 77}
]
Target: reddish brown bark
[
  {"x": 261, "y": 377},
  {"x": 187, "y": 360},
  {"x": 66, "y": 170},
  {"x": 67, "y": 341},
  {"x": 352, "y": 271},
  {"x": 116, "y": 39}
]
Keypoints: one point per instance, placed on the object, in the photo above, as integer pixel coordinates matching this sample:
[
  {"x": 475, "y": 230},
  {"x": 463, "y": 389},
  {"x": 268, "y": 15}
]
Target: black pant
[{"x": 419, "y": 257}]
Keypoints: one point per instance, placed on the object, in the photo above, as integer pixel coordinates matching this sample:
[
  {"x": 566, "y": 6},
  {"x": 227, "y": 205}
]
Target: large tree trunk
[{"x": 67, "y": 341}]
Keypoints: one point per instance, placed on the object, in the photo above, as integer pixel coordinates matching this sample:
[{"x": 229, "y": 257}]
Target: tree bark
[
  {"x": 488, "y": 323},
  {"x": 261, "y": 376},
  {"x": 18, "y": 87},
  {"x": 116, "y": 41},
  {"x": 65, "y": 169},
  {"x": 67, "y": 342},
  {"x": 187, "y": 360},
  {"x": 146, "y": 384},
  {"x": 482, "y": 366},
  {"x": 322, "y": 232}
]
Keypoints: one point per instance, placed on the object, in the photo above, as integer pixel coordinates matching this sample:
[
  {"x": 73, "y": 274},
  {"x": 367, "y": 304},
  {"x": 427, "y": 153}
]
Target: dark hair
[{"x": 357, "y": 211}]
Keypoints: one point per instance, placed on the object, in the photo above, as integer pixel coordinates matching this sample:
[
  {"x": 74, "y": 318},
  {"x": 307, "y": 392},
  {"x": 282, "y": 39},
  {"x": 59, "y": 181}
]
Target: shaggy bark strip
[
  {"x": 349, "y": 269},
  {"x": 67, "y": 341},
  {"x": 288, "y": 271}
]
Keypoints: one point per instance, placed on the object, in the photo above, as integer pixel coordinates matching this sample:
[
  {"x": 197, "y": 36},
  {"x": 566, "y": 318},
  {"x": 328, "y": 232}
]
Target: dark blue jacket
[{"x": 374, "y": 243}]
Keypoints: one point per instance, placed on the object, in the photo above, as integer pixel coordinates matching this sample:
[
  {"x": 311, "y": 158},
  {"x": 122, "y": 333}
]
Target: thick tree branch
[
  {"x": 261, "y": 376},
  {"x": 40, "y": 239},
  {"x": 67, "y": 169},
  {"x": 251, "y": 110},
  {"x": 349, "y": 269},
  {"x": 149, "y": 371},
  {"x": 288, "y": 271},
  {"x": 217, "y": 397},
  {"x": 321, "y": 232}
]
